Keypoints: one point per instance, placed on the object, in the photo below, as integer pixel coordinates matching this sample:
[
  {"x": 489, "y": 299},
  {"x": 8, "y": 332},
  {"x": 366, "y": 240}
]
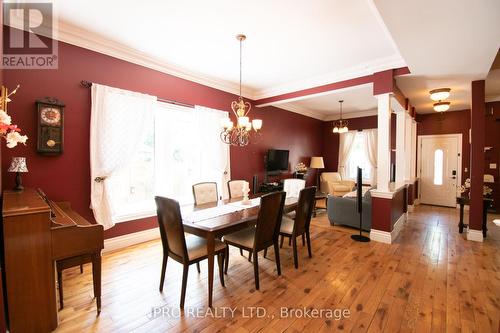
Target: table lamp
[
  {"x": 18, "y": 165},
  {"x": 317, "y": 163}
]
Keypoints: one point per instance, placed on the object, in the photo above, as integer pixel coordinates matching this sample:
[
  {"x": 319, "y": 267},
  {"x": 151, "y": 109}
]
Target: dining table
[{"x": 214, "y": 220}]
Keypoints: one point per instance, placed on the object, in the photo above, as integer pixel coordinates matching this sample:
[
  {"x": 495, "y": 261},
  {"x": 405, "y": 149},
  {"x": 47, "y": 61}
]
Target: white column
[
  {"x": 408, "y": 149},
  {"x": 400, "y": 146},
  {"x": 413, "y": 148},
  {"x": 383, "y": 142}
]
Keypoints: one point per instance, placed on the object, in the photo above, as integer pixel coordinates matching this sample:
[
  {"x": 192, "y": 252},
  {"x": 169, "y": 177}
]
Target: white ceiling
[
  {"x": 358, "y": 101},
  {"x": 290, "y": 45},
  {"x": 446, "y": 43}
]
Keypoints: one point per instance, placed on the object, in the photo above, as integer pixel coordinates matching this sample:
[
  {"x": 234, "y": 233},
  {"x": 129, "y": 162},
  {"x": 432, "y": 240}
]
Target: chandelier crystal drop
[
  {"x": 238, "y": 134},
  {"x": 340, "y": 126}
]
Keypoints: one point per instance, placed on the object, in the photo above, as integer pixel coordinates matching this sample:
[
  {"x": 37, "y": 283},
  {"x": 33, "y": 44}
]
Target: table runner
[{"x": 209, "y": 213}]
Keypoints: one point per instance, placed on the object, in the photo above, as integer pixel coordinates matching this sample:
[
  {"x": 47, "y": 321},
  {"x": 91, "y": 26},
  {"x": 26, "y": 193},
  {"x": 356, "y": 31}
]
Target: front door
[{"x": 439, "y": 161}]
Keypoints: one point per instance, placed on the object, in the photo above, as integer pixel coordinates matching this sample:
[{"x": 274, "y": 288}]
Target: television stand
[{"x": 270, "y": 187}]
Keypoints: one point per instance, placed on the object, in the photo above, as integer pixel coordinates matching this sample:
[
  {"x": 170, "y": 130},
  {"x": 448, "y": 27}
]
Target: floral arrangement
[
  {"x": 466, "y": 186},
  {"x": 301, "y": 168},
  {"x": 9, "y": 131}
]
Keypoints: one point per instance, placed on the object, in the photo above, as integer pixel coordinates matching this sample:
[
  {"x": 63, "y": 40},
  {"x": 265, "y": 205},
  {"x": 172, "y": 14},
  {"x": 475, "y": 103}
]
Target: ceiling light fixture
[
  {"x": 340, "y": 126},
  {"x": 441, "y": 106},
  {"x": 239, "y": 134},
  {"x": 440, "y": 94}
]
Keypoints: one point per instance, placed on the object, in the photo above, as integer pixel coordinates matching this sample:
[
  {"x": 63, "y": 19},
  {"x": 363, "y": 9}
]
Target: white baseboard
[
  {"x": 380, "y": 236},
  {"x": 388, "y": 237},
  {"x": 475, "y": 235},
  {"x": 121, "y": 242},
  {"x": 411, "y": 208}
]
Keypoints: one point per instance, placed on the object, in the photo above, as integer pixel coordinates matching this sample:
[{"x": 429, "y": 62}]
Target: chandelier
[
  {"x": 239, "y": 134},
  {"x": 340, "y": 126}
]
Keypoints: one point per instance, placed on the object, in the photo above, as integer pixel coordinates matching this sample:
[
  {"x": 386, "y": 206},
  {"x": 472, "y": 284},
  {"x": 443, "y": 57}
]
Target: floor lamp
[{"x": 317, "y": 163}]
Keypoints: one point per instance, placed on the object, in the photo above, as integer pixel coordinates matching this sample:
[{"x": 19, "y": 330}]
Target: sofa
[
  {"x": 343, "y": 210},
  {"x": 332, "y": 183}
]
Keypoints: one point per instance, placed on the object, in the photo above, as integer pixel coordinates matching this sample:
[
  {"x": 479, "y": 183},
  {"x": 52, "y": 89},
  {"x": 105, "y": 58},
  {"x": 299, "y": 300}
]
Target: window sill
[{"x": 134, "y": 216}]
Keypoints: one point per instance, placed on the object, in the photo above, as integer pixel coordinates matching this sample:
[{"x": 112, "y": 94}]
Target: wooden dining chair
[
  {"x": 263, "y": 235},
  {"x": 185, "y": 250},
  {"x": 205, "y": 193},
  {"x": 299, "y": 224},
  {"x": 235, "y": 188}
]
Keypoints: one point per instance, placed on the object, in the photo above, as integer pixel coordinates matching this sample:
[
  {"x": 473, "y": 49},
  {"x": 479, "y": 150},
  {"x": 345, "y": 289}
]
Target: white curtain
[
  {"x": 345, "y": 146},
  {"x": 117, "y": 121},
  {"x": 188, "y": 150},
  {"x": 214, "y": 155},
  {"x": 371, "y": 152}
]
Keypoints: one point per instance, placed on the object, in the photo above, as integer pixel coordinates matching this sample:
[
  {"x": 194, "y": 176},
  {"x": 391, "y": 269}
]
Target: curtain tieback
[{"x": 99, "y": 179}]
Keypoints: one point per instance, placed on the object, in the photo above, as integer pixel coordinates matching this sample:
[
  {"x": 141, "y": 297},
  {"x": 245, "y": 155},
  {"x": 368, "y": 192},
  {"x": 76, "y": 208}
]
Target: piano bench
[{"x": 69, "y": 263}]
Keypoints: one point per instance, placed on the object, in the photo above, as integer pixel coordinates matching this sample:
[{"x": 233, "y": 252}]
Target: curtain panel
[
  {"x": 371, "y": 138},
  {"x": 345, "y": 147},
  {"x": 118, "y": 119}
]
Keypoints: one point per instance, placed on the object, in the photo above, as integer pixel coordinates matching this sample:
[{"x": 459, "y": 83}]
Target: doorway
[{"x": 440, "y": 166}]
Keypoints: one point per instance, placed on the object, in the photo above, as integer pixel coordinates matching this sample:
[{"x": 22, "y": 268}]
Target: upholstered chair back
[
  {"x": 269, "y": 220},
  {"x": 235, "y": 188},
  {"x": 205, "y": 193},
  {"x": 171, "y": 228},
  {"x": 292, "y": 187},
  {"x": 304, "y": 210},
  {"x": 331, "y": 177}
]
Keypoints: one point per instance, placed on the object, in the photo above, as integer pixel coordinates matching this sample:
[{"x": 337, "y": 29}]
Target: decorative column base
[
  {"x": 475, "y": 235},
  {"x": 386, "y": 236}
]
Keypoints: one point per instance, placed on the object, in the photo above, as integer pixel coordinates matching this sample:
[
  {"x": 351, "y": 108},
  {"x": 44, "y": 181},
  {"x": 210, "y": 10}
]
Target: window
[
  {"x": 438, "y": 167},
  {"x": 182, "y": 147},
  {"x": 358, "y": 156}
]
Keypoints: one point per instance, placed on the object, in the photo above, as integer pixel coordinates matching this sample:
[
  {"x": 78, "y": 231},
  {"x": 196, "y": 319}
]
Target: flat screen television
[{"x": 277, "y": 160}]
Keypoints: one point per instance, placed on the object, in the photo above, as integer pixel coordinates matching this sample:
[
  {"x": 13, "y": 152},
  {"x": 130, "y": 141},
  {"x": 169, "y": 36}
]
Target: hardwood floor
[{"x": 430, "y": 280}]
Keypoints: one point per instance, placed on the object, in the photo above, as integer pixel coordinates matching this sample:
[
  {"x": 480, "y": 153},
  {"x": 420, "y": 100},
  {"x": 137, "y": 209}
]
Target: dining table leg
[{"x": 210, "y": 252}]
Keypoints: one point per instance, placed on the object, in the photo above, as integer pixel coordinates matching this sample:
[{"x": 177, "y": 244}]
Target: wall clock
[{"x": 50, "y": 120}]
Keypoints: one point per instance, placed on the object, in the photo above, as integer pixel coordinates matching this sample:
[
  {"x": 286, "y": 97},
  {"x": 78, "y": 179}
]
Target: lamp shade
[
  {"x": 317, "y": 162},
  {"x": 18, "y": 164}
]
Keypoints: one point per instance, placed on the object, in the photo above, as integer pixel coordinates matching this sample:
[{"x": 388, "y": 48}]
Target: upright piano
[{"x": 37, "y": 233}]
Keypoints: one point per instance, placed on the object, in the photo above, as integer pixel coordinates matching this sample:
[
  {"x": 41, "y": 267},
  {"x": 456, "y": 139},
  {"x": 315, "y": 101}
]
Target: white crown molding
[
  {"x": 350, "y": 115},
  {"x": 70, "y": 34},
  {"x": 363, "y": 69}
]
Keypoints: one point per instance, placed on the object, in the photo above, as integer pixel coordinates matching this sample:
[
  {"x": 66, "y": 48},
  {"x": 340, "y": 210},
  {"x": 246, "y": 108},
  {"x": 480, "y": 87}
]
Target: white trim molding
[
  {"x": 393, "y": 189},
  {"x": 475, "y": 235},
  {"x": 389, "y": 237},
  {"x": 120, "y": 242}
]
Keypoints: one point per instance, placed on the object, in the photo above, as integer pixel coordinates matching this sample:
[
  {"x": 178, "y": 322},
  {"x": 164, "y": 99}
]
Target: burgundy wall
[
  {"x": 448, "y": 123},
  {"x": 67, "y": 177},
  {"x": 385, "y": 212},
  {"x": 331, "y": 140}
]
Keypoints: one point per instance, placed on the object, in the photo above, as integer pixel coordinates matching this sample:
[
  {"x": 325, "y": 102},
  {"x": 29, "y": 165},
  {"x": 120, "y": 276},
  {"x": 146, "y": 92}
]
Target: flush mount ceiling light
[
  {"x": 440, "y": 94},
  {"x": 441, "y": 106}
]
